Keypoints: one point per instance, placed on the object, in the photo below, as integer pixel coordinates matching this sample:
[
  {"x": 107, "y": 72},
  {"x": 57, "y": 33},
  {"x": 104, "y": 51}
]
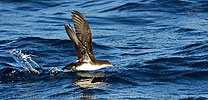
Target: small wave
[
  {"x": 133, "y": 47},
  {"x": 116, "y": 79},
  {"x": 59, "y": 13},
  {"x": 171, "y": 61},
  {"x": 199, "y": 75},
  {"x": 194, "y": 98},
  {"x": 185, "y": 30},
  {"x": 5, "y": 64},
  {"x": 52, "y": 43},
  {"x": 5, "y": 41},
  {"x": 192, "y": 46},
  {"x": 200, "y": 64},
  {"x": 93, "y": 3},
  {"x": 45, "y": 4},
  {"x": 86, "y": 3},
  {"x": 61, "y": 95},
  {"x": 126, "y": 6},
  {"x": 11, "y": 75},
  {"x": 36, "y": 39},
  {"x": 27, "y": 8},
  {"x": 16, "y": 75},
  {"x": 37, "y": 43},
  {"x": 175, "y": 68},
  {"x": 170, "y": 6},
  {"x": 55, "y": 42},
  {"x": 6, "y": 59},
  {"x": 134, "y": 54},
  {"x": 194, "y": 49},
  {"x": 176, "y": 2},
  {"x": 16, "y": 1},
  {"x": 62, "y": 43},
  {"x": 103, "y": 47}
]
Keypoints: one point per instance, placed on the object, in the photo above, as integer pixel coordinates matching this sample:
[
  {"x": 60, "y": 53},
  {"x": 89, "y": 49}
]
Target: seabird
[{"x": 82, "y": 41}]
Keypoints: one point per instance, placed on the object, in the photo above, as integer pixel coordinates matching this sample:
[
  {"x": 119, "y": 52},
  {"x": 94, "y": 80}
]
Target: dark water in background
[{"x": 159, "y": 46}]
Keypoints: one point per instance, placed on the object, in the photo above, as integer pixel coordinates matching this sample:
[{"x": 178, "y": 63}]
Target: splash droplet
[{"x": 25, "y": 61}]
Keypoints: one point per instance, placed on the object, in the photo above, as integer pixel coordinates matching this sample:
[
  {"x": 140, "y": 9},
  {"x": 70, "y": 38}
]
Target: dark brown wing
[
  {"x": 81, "y": 50},
  {"x": 83, "y": 32}
]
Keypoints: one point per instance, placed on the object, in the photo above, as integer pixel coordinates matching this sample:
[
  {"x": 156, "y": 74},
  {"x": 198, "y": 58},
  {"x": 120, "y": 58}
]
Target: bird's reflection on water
[{"x": 89, "y": 81}]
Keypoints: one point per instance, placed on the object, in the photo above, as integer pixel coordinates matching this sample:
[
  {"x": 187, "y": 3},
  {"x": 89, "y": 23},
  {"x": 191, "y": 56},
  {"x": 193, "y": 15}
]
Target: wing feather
[
  {"x": 81, "y": 50},
  {"x": 83, "y": 32}
]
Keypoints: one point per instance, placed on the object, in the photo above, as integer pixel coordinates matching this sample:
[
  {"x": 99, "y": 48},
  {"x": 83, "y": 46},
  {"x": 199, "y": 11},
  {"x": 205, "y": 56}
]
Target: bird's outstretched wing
[
  {"x": 83, "y": 32},
  {"x": 81, "y": 50}
]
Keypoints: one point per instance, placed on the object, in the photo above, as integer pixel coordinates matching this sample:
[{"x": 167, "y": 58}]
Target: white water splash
[
  {"x": 54, "y": 70},
  {"x": 25, "y": 61}
]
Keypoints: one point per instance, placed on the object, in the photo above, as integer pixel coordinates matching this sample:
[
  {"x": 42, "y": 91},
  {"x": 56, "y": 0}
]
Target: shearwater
[{"x": 82, "y": 41}]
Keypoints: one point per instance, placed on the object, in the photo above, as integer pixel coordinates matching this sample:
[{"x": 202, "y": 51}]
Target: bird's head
[{"x": 108, "y": 63}]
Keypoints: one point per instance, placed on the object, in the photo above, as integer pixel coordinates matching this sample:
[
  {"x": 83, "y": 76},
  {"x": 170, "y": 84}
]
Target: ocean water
[{"x": 160, "y": 48}]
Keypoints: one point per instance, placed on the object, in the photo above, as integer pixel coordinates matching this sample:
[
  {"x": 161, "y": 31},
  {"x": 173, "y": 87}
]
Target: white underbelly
[{"x": 89, "y": 67}]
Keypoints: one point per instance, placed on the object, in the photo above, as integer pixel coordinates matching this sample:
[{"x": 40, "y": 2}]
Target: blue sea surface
[{"x": 160, "y": 48}]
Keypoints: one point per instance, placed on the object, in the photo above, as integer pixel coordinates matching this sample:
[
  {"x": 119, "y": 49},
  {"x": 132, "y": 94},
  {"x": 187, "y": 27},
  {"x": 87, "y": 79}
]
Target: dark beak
[{"x": 114, "y": 65}]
